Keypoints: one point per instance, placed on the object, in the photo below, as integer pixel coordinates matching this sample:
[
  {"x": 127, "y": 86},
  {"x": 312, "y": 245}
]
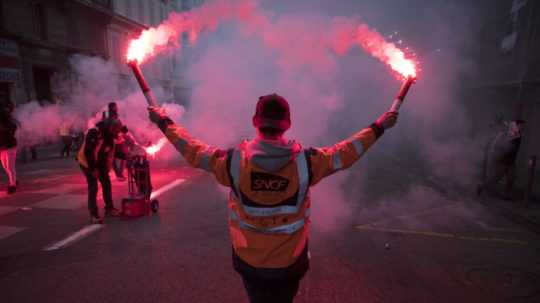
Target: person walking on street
[
  {"x": 95, "y": 159},
  {"x": 67, "y": 138},
  {"x": 122, "y": 143},
  {"x": 8, "y": 144},
  {"x": 269, "y": 204}
]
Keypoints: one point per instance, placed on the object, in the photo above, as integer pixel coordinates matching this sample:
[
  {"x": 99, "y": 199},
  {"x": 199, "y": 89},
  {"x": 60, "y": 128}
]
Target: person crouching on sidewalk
[{"x": 95, "y": 159}]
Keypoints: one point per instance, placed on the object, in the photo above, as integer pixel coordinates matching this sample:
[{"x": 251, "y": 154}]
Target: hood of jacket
[{"x": 272, "y": 155}]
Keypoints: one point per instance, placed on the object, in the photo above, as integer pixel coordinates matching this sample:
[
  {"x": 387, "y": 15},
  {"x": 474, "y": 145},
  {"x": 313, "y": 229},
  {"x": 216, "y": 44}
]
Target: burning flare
[
  {"x": 153, "y": 149},
  {"x": 346, "y": 32},
  {"x": 377, "y": 46},
  {"x": 148, "y": 42},
  {"x": 207, "y": 17}
]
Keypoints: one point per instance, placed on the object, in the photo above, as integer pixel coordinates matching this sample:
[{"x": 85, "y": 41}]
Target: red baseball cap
[{"x": 273, "y": 112}]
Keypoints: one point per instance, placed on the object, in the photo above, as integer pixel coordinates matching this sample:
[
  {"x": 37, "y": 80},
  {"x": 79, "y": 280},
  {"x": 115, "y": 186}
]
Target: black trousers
[
  {"x": 271, "y": 291},
  {"x": 497, "y": 172},
  {"x": 92, "y": 181},
  {"x": 68, "y": 141},
  {"x": 119, "y": 167},
  {"x": 119, "y": 162}
]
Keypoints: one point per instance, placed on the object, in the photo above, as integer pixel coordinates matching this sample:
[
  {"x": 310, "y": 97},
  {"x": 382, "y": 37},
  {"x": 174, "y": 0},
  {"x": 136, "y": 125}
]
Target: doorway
[
  {"x": 42, "y": 84},
  {"x": 5, "y": 93}
]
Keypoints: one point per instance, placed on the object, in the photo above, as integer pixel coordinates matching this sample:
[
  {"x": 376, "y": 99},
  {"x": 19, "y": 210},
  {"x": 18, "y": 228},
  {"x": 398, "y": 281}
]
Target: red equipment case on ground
[{"x": 139, "y": 202}]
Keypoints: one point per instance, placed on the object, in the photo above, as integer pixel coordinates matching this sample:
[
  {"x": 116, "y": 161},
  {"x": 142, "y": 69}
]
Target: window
[
  {"x": 157, "y": 14},
  {"x": 129, "y": 10},
  {"x": 40, "y": 24},
  {"x": 1, "y": 15},
  {"x": 136, "y": 6},
  {"x": 161, "y": 12},
  {"x": 142, "y": 11},
  {"x": 152, "y": 16}
]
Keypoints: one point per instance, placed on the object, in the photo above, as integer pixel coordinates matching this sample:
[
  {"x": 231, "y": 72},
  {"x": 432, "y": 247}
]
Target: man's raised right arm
[{"x": 197, "y": 153}]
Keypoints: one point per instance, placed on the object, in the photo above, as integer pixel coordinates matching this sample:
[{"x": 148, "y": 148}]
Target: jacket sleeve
[
  {"x": 197, "y": 153},
  {"x": 325, "y": 161}
]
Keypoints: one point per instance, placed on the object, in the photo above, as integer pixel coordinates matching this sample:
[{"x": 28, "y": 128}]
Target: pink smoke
[{"x": 340, "y": 36}]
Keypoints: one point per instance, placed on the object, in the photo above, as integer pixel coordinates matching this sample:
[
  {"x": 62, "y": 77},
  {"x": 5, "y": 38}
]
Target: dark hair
[
  {"x": 271, "y": 131},
  {"x": 272, "y": 111}
]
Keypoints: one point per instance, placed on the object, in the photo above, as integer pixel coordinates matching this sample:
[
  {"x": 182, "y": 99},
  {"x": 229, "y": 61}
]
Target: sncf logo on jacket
[{"x": 268, "y": 182}]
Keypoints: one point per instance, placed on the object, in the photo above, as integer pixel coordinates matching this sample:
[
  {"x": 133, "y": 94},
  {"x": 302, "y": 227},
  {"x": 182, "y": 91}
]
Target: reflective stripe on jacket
[{"x": 269, "y": 211}]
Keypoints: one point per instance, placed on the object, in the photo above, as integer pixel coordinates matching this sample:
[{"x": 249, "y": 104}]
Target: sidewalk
[
  {"x": 43, "y": 152},
  {"x": 515, "y": 210}
]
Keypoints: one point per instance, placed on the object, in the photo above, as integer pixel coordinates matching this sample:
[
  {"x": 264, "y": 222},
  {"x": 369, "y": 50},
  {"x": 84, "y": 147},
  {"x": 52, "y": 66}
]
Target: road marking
[
  {"x": 90, "y": 229},
  {"x": 59, "y": 189},
  {"x": 7, "y": 209},
  {"x": 441, "y": 235},
  {"x": 491, "y": 228},
  {"x": 166, "y": 188},
  {"x": 408, "y": 216},
  {"x": 78, "y": 235},
  {"x": 37, "y": 172},
  {"x": 6, "y": 231},
  {"x": 47, "y": 179},
  {"x": 64, "y": 202}
]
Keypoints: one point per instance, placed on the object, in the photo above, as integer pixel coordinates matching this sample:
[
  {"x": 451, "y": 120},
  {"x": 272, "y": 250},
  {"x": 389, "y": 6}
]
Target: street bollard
[{"x": 530, "y": 183}]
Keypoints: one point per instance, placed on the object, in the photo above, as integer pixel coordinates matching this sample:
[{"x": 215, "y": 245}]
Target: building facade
[
  {"x": 37, "y": 38},
  {"x": 131, "y": 17},
  {"x": 507, "y": 81}
]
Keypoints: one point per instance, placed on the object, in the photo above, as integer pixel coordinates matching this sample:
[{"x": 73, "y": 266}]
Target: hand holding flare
[{"x": 402, "y": 93}]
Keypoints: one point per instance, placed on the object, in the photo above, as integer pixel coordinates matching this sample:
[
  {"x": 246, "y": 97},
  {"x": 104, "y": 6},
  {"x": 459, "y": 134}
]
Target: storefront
[{"x": 11, "y": 84}]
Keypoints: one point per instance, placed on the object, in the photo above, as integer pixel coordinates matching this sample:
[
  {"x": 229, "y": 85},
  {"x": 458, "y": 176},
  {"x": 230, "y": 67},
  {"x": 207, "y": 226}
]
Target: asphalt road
[{"x": 442, "y": 250}]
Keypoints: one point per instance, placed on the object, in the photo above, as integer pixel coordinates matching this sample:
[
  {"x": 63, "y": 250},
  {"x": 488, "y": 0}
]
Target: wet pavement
[{"x": 424, "y": 246}]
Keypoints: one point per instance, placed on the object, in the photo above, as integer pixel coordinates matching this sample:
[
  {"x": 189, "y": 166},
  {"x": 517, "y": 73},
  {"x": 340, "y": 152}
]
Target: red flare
[{"x": 152, "y": 150}]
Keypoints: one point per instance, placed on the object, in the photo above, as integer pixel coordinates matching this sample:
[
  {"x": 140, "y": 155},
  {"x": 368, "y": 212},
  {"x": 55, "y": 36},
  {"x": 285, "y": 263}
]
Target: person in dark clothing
[
  {"x": 95, "y": 158},
  {"x": 33, "y": 153},
  {"x": 122, "y": 144},
  {"x": 501, "y": 158},
  {"x": 67, "y": 139},
  {"x": 120, "y": 155},
  {"x": 113, "y": 110},
  {"x": 8, "y": 144}
]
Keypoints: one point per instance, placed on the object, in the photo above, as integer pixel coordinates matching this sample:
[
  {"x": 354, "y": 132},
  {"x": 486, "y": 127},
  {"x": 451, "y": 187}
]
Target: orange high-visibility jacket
[
  {"x": 269, "y": 210},
  {"x": 88, "y": 152}
]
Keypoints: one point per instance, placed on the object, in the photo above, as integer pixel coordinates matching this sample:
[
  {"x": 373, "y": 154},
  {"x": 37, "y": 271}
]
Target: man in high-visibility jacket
[
  {"x": 269, "y": 204},
  {"x": 95, "y": 159}
]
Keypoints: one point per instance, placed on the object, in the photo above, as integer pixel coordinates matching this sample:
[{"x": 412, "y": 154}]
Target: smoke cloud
[
  {"x": 310, "y": 52},
  {"x": 335, "y": 89},
  {"x": 84, "y": 92}
]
